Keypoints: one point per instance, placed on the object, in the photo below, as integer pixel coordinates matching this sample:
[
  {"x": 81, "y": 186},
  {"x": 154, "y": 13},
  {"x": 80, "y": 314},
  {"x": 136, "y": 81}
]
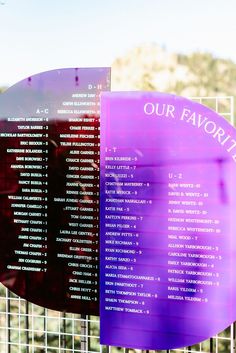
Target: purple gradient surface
[
  {"x": 49, "y": 188},
  {"x": 167, "y": 222}
]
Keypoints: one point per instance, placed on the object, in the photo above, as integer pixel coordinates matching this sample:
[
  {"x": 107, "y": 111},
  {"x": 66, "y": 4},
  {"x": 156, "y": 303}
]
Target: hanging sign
[
  {"x": 49, "y": 188},
  {"x": 168, "y": 200}
]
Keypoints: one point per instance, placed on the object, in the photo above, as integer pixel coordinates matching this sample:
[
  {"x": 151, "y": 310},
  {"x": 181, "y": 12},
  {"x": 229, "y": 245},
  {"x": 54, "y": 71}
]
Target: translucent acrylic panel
[{"x": 49, "y": 188}]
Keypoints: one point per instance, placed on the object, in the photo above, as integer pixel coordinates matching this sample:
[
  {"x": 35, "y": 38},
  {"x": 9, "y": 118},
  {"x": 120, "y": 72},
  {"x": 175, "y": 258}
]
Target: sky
[{"x": 40, "y": 35}]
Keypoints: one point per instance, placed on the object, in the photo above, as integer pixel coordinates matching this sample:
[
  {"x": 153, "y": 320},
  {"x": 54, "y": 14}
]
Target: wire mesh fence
[{"x": 28, "y": 328}]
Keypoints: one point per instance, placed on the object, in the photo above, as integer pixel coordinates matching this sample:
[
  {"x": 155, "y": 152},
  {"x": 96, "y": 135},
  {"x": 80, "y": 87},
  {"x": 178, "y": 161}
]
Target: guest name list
[
  {"x": 163, "y": 222},
  {"x": 53, "y": 158}
]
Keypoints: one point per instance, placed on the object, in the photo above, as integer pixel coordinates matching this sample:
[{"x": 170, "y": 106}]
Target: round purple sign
[{"x": 168, "y": 200}]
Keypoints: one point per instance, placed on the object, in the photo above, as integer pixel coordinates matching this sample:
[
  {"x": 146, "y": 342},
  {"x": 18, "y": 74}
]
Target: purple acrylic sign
[
  {"x": 168, "y": 199},
  {"x": 49, "y": 188}
]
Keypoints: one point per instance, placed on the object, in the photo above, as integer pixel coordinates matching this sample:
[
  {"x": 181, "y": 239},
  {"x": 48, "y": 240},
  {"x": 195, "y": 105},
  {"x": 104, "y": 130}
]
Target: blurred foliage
[
  {"x": 2, "y": 89},
  {"x": 150, "y": 67}
]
